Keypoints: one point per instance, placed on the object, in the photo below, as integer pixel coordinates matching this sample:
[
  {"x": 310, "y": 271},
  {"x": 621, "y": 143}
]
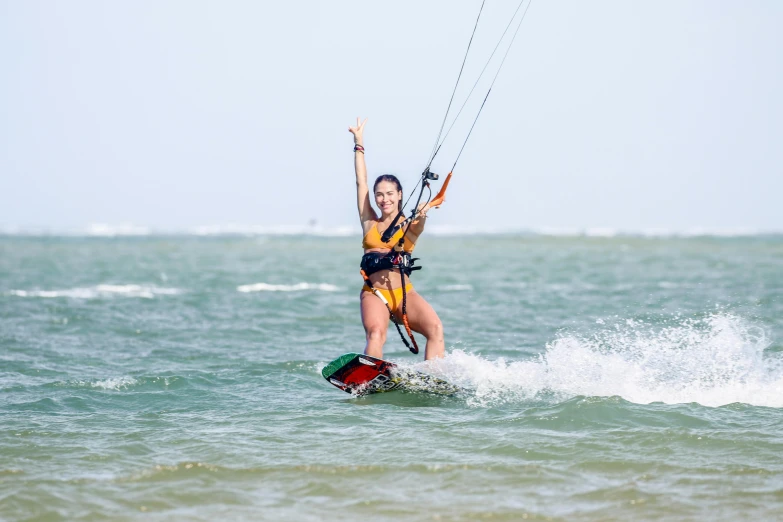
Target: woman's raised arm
[{"x": 366, "y": 212}]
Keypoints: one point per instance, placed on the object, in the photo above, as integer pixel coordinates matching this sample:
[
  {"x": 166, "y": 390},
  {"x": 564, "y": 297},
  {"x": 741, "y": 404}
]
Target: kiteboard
[{"x": 360, "y": 374}]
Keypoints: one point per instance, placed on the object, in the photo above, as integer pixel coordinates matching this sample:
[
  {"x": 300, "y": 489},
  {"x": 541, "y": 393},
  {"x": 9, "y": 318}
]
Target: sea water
[{"x": 178, "y": 378}]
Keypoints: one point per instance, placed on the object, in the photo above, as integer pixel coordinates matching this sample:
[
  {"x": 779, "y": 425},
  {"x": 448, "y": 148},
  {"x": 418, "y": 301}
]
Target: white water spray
[{"x": 716, "y": 360}]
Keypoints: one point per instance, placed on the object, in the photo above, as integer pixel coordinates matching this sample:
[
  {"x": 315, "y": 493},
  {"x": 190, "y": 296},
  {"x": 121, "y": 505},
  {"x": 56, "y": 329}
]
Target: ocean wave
[
  {"x": 194, "y": 468},
  {"x": 298, "y": 287},
  {"x": 113, "y": 383},
  {"x": 117, "y": 383},
  {"x": 280, "y": 230},
  {"x": 100, "y": 291},
  {"x": 455, "y": 288},
  {"x": 610, "y": 232},
  {"x": 124, "y": 383},
  {"x": 123, "y": 229},
  {"x": 713, "y": 361}
]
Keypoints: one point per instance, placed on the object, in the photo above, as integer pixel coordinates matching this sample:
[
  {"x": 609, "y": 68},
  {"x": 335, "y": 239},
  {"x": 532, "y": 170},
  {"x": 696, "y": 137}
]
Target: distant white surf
[
  {"x": 298, "y": 287},
  {"x": 99, "y": 291},
  {"x": 455, "y": 288},
  {"x": 124, "y": 229},
  {"x": 609, "y": 232},
  {"x": 131, "y": 230},
  {"x": 280, "y": 230}
]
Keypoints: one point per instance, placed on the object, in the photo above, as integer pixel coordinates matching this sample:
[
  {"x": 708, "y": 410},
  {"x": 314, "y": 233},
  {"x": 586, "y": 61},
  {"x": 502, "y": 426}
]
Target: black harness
[
  {"x": 376, "y": 261},
  {"x": 395, "y": 260}
]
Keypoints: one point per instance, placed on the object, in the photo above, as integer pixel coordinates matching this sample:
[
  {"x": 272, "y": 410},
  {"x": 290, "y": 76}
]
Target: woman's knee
[
  {"x": 376, "y": 334},
  {"x": 434, "y": 329}
]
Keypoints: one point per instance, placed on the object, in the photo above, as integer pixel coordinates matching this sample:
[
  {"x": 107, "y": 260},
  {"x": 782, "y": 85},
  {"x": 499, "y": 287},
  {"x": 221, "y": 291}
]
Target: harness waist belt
[{"x": 376, "y": 261}]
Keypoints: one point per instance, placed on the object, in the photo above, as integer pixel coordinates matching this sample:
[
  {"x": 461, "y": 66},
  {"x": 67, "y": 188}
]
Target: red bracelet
[{"x": 358, "y": 148}]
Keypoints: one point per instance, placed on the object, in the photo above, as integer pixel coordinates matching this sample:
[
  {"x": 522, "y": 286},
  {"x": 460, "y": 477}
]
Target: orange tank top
[{"x": 373, "y": 240}]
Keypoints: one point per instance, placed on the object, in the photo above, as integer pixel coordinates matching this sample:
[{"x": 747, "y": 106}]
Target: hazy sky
[{"x": 175, "y": 114}]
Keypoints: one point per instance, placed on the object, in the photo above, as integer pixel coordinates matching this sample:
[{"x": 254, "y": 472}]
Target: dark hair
[{"x": 391, "y": 179}]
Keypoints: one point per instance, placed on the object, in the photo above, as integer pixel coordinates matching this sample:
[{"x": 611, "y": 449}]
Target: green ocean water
[{"x": 178, "y": 378}]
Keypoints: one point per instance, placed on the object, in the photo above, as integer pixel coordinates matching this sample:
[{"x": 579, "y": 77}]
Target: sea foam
[
  {"x": 123, "y": 229},
  {"x": 713, "y": 361},
  {"x": 100, "y": 291},
  {"x": 455, "y": 288},
  {"x": 298, "y": 287}
]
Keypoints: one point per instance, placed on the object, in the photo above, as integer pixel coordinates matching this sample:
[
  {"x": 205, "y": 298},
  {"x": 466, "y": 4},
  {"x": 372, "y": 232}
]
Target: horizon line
[{"x": 130, "y": 230}]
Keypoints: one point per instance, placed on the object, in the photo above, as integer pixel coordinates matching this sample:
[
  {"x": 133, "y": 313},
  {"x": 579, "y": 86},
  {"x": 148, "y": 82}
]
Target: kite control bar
[{"x": 434, "y": 203}]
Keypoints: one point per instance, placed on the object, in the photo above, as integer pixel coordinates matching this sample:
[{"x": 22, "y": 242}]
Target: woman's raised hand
[{"x": 358, "y": 130}]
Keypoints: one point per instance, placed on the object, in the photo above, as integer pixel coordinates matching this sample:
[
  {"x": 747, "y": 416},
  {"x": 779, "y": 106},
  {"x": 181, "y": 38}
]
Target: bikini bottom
[{"x": 393, "y": 296}]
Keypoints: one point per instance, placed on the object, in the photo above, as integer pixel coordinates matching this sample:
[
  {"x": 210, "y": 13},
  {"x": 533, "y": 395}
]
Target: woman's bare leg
[
  {"x": 423, "y": 319},
  {"x": 375, "y": 318}
]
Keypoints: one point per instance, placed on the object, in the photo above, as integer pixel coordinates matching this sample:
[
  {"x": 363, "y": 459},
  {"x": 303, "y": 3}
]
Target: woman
[{"x": 388, "y": 282}]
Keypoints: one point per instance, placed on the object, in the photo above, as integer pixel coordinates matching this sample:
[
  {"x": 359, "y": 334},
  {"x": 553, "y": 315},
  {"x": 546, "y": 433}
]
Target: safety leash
[{"x": 415, "y": 347}]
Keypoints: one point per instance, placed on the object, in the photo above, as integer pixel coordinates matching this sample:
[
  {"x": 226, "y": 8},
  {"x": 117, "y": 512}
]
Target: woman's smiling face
[{"x": 387, "y": 197}]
